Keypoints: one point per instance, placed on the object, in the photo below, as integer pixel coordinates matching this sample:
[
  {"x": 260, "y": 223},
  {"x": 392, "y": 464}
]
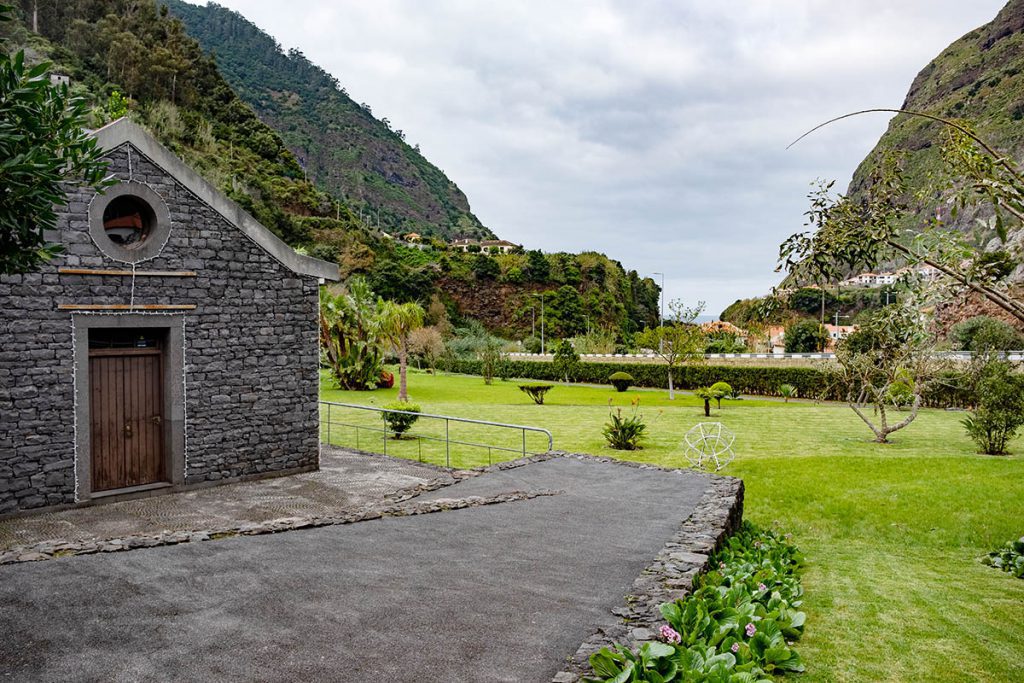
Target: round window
[{"x": 128, "y": 221}]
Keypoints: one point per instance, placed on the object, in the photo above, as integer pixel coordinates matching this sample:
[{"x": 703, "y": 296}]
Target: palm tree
[{"x": 396, "y": 322}]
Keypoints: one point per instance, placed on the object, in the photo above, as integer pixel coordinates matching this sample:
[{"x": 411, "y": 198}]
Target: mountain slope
[
  {"x": 344, "y": 148},
  {"x": 980, "y": 79},
  {"x": 129, "y": 57}
]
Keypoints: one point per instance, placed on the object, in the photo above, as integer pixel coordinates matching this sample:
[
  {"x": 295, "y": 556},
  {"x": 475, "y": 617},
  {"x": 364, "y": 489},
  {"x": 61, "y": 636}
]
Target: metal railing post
[{"x": 327, "y": 418}]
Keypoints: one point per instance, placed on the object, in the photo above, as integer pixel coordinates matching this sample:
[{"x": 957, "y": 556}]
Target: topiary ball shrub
[
  {"x": 721, "y": 389},
  {"x": 399, "y": 423},
  {"x": 621, "y": 380},
  {"x": 387, "y": 380}
]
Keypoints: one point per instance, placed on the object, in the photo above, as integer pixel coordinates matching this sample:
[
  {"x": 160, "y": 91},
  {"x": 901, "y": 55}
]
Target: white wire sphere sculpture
[{"x": 709, "y": 446}]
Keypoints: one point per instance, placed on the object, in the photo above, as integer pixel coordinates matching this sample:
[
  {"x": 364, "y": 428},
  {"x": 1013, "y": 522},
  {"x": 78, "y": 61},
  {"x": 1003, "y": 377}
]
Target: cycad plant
[{"x": 624, "y": 433}]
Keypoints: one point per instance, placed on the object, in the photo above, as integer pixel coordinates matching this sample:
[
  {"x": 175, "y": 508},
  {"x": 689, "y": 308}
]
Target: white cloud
[{"x": 653, "y": 131}]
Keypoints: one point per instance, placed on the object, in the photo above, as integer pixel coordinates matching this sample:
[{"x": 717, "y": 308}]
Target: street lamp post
[{"x": 542, "y": 345}]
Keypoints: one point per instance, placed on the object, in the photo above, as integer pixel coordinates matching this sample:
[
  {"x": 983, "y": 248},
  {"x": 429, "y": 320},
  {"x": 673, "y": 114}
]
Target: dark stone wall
[{"x": 251, "y": 348}]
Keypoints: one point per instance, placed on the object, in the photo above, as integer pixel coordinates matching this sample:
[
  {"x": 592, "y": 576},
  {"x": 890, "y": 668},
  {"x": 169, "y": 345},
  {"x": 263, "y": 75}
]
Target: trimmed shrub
[
  {"x": 536, "y": 391},
  {"x": 621, "y": 380},
  {"x": 400, "y": 423},
  {"x": 721, "y": 389}
]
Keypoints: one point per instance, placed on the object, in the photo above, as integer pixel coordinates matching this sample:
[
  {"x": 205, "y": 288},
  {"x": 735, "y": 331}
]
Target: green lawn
[{"x": 892, "y": 533}]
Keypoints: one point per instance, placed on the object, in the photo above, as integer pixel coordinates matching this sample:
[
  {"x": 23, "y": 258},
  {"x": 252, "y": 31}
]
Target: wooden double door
[{"x": 126, "y": 408}]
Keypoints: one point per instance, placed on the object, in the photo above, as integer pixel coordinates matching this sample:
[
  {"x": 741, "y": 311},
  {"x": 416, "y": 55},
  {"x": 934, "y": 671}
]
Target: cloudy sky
[{"x": 652, "y": 131}]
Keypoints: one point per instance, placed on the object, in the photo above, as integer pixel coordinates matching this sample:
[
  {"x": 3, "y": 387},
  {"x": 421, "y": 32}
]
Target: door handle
[
  {"x": 128, "y": 429},
  {"x": 156, "y": 419}
]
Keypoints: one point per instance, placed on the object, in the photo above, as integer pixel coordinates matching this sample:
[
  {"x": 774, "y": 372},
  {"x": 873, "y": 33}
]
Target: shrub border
[{"x": 810, "y": 383}]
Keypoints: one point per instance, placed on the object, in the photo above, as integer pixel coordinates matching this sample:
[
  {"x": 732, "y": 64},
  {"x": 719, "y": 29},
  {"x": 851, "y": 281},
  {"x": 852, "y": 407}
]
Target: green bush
[
  {"x": 536, "y": 391},
  {"x": 721, "y": 390},
  {"x": 805, "y": 336},
  {"x": 788, "y": 391},
  {"x": 983, "y": 333},
  {"x": 999, "y": 412},
  {"x": 621, "y": 380},
  {"x": 400, "y": 423},
  {"x": 1009, "y": 558},
  {"x": 737, "y": 626},
  {"x": 625, "y": 433}
]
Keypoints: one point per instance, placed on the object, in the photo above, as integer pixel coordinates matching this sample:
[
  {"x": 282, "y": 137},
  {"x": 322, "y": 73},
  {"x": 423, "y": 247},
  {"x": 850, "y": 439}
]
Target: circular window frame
[{"x": 158, "y": 232}]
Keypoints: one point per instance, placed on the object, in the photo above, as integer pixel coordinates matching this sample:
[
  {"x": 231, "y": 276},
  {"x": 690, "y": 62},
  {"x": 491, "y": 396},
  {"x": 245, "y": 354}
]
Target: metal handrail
[{"x": 448, "y": 441}]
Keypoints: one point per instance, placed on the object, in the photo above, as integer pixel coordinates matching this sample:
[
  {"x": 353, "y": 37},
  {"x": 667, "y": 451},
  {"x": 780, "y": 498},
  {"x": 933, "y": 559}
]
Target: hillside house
[
  {"x": 723, "y": 327},
  {"x": 174, "y": 343},
  {"x": 836, "y": 333},
  {"x": 500, "y": 246}
]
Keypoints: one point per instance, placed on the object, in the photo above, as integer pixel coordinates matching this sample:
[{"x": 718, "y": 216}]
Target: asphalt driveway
[{"x": 496, "y": 593}]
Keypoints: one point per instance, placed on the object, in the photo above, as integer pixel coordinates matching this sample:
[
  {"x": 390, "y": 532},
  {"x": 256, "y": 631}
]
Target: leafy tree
[
  {"x": 678, "y": 342},
  {"x": 857, "y": 235},
  {"x": 892, "y": 349},
  {"x": 538, "y": 268},
  {"x": 427, "y": 343},
  {"x": 43, "y": 148},
  {"x": 491, "y": 359},
  {"x": 350, "y": 335},
  {"x": 564, "y": 312},
  {"x": 397, "y": 322},
  {"x": 806, "y": 336},
  {"x": 808, "y": 300},
  {"x": 982, "y": 334},
  {"x": 724, "y": 342},
  {"x": 566, "y": 361},
  {"x": 397, "y": 281},
  {"x": 485, "y": 267}
]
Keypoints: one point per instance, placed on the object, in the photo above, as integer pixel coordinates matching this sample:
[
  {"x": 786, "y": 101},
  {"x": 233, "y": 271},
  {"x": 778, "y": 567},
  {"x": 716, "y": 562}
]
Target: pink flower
[
  {"x": 735, "y": 648},
  {"x": 751, "y": 630},
  {"x": 761, "y": 587},
  {"x": 670, "y": 635}
]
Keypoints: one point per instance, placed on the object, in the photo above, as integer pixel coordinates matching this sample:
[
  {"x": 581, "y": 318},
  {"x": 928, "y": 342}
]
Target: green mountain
[
  {"x": 129, "y": 57},
  {"x": 979, "y": 79},
  {"x": 134, "y": 58},
  {"x": 349, "y": 153}
]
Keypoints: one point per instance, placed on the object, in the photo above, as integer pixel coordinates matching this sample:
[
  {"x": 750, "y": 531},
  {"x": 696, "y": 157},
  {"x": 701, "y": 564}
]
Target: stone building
[{"x": 174, "y": 342}]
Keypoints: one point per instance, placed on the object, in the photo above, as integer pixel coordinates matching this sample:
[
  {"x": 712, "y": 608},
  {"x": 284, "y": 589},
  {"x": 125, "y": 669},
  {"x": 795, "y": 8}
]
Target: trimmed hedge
[{"x": 751, "y": 380}]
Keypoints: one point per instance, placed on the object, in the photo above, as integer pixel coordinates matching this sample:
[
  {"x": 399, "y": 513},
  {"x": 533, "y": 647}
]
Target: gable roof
[{"x": 122, "y": 131}]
